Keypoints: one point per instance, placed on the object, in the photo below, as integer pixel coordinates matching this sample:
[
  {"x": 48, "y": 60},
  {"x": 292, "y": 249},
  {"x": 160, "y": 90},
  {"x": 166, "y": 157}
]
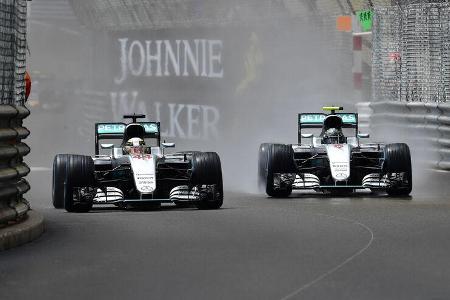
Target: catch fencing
[
  {"x": 411, "y": 53},
  {"x": 13, "y": 47},
  {"x": 411, "y": 79}
]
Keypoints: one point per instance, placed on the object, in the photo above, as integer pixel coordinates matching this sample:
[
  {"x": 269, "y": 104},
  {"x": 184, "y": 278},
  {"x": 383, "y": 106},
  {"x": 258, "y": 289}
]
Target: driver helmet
[
  {"x": 134, "y": 146},
  {"x": 333, "y": 136}
]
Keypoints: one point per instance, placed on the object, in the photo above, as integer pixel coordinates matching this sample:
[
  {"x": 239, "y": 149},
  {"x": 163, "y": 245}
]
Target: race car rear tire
[
  {"x": 59, "y": 176},
  {"x": 275, "y": 158},
  {"x": 79, "y": 173},
  {"x": 397, "y": 159},
  {"x": 207, "y": 170}
]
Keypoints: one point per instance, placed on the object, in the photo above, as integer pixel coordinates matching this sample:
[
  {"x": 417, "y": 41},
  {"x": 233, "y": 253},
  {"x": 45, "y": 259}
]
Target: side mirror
[
  {"x": 363, "y": 135},
  {"x": 168, "y": 145},
  {"x": 107, "y": 146},
  {"x": 307, "y": 135}
]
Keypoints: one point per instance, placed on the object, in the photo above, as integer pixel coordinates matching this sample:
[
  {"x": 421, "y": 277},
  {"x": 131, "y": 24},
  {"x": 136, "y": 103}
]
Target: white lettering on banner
[
  {"x": 204, "y": 58},
  {"x": 215, "y": 59},
  {"x": 156, "y": 58},
  {"x": 210, "y": 124},
  {"x": 123, "y": 60},
  {"x": 189, "y": 57},
  {"x": 179, "y": 58},
  {"x": 189, "y": 121},
  {"x": 136, "y": 70},
  {"x": 170, "y": 57},
  {"x": 193, "y": 114},
  {"x": 174, "y": 116}
]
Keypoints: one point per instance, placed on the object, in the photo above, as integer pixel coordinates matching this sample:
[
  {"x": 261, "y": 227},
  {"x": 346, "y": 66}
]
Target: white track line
[{"x": 331, "y": 271}]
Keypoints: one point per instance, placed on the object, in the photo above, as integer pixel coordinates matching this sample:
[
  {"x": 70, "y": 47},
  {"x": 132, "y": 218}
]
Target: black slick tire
[
  {"x": 207, "y": 170},
  {"x": 397, "y": 159},
  {"x": 275, "y": 158},
  {"x": 59, "y": 176},
  {"x": 79, "y": 173},
  {"x": 263, "y": 158}
]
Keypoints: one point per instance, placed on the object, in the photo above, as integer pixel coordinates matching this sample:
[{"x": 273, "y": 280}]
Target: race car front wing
[{"x": 306, "y": 181}]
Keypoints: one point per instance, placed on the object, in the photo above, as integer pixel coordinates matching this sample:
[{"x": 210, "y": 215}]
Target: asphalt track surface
[{"x": 304, "y": 247}]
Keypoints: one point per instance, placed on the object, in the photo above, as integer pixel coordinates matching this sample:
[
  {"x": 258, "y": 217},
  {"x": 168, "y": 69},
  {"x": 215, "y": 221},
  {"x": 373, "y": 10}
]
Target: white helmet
[
  {"x": 134, "y": 146},
  {"x": 333, "y": 136}
]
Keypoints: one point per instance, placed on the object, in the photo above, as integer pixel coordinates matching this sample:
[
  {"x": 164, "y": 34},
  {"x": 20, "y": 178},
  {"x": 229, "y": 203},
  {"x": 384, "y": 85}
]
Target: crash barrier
[
  {"x": 13, "y": 52},
  {"x": 426, "y": 125},
  {"x": 13, "y": 186}
]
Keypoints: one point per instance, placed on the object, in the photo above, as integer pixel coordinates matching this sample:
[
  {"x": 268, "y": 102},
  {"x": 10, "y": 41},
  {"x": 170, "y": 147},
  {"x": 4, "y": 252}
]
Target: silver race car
[
  {"x": 136, "y": 173},
  {"x": 333, "y": 162}
]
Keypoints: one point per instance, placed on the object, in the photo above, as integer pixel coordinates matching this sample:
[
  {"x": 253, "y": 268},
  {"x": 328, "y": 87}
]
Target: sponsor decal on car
[
  {"x": 119, "y": 128},
  {"x": 340, "y": 166},
  {"x": 341, "y": 175},
  {"x": 318, "y": 118}
]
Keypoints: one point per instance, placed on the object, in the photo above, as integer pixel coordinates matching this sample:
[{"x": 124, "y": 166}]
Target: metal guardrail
[
  {"x": 12, "y": 168},
  {"x": 426, "y": 125}
]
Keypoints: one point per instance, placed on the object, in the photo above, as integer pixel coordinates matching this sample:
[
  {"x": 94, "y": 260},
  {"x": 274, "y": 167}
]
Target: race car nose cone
[
  {"x": 339, "y": 157},
  {"x": 340, "y": 176}
]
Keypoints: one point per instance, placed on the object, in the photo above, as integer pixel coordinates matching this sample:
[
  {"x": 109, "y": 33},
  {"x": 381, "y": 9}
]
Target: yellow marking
[{"x": 330, "y": 108}]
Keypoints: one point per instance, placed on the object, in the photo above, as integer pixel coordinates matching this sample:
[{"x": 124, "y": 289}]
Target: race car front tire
[
  {"x": 397, "y": 159},
  {"x": 275, "y": 158},
  {"x": 207, "y": 170},
  {"x": 59, "y": 175},
  {"x": 263, "y": 158},
  {"x": 79, "y": 173}
]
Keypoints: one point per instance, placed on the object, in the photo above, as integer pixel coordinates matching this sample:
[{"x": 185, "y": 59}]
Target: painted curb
[{"x": 26, "y": 231}]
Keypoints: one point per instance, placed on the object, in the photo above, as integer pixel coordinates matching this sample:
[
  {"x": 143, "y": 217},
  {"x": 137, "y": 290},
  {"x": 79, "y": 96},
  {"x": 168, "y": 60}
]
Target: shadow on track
[{"x": 164, "y": 208}]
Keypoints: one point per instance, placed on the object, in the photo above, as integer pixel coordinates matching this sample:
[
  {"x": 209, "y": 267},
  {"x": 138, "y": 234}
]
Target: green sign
[{"x": 365, "y": 18}]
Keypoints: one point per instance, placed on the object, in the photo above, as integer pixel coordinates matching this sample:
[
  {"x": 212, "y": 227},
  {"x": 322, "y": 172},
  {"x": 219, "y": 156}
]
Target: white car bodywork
[
  {"x": 339, "y": 156},
  {"x": 144, "y": 174}
]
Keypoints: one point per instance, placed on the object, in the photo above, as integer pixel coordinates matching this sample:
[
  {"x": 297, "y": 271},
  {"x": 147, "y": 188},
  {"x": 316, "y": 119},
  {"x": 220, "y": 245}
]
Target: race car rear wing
[
  {"x": 104, "y": 131},
  {"x": 315, "y": 120}
]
